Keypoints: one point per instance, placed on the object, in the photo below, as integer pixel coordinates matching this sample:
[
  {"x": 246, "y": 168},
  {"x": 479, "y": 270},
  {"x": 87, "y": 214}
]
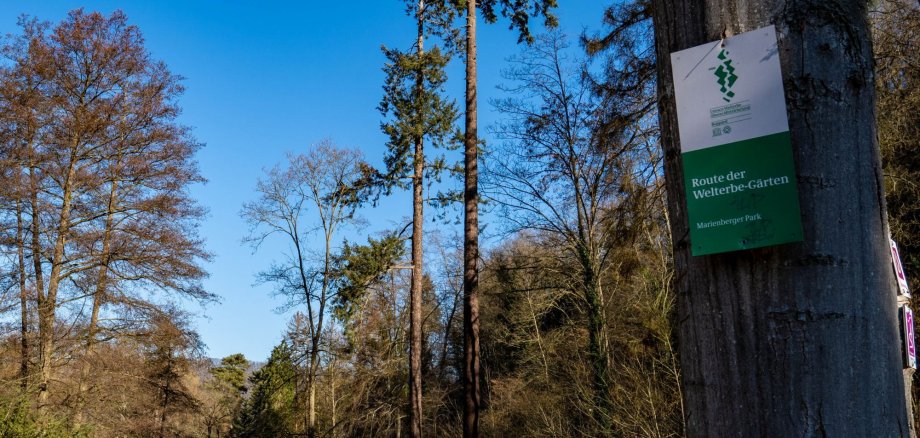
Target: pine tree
[{"x": 519, "y": 11}]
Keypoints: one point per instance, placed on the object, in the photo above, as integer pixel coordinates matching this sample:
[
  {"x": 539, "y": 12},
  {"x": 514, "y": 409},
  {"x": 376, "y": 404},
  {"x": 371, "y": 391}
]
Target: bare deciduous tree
[
  {"x": 321, "y": 184},
  {"x": 102, "y": 171},
  {"x": 558, "y": 173}
]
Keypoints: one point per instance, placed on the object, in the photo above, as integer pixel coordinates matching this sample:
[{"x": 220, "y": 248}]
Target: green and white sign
[{"x": 734, "y": 140}]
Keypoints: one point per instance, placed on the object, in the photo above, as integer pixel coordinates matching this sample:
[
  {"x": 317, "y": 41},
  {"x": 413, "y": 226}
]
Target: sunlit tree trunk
[
  {"x": 415, "y": 298},
  {"x": 35, "y": 246},
  {"x": 99, "y": 296},
  {"x": 47, "y": 304},
  {"x": 23, "y": 292},
  {"x": 472, "y": 398}
]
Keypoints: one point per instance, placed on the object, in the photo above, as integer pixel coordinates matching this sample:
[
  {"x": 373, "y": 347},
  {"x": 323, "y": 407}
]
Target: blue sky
[{"x": 267, "y": 77}]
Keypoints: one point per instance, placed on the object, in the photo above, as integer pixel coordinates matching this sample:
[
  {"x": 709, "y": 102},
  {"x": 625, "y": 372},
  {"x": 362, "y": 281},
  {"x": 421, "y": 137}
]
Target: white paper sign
[{"x": 731, "y": 93}]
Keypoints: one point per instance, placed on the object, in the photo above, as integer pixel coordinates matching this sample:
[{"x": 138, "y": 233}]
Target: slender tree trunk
[
  {"x": 536, "y": 334},
  {"x": 99, "y": 297},
  {"x": 442, "y": 364},
  {"x": 36, "y": 248},
  {"x": 47, "y": 305},
  {"x": 335, "y": 421},
  {"x": 318, "y": 330},
  {"x": 597, "y": 347},
  {"x": 311, "y": 385},
  {"x": 471, "y": 376},
  {"x": 415, "y": 296},
  {"x": 162, "y": 418},
  {"x": 305, "y": 285},
  {"x": 798, "y": 339},
  {"x": 23, "y": 298},
  {"x": 311, "y": 432}
]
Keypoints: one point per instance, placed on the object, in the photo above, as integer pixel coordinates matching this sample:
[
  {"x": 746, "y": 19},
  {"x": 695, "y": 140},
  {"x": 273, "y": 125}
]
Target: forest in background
[{"x": 99, "y": 243}]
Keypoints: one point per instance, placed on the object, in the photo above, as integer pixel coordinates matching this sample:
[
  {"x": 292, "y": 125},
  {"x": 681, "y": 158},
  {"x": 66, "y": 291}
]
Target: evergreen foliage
[
  {"x": 358, "y": 267},
  {"x": 415, "y": 112},
  {"x": 269, "y": 410}
]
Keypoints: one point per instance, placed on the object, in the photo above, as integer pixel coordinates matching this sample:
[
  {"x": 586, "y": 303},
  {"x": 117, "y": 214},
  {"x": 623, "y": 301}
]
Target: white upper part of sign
[{"x": 730, "y": 90}]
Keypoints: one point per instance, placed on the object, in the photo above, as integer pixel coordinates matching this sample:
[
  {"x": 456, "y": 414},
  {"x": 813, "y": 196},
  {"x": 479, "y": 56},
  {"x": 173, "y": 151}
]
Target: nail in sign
[{"x": 903, "y": 287}]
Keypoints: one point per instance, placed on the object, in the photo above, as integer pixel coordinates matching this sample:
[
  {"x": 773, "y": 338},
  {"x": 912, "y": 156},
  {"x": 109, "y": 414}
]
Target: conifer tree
[
  {"x": 519, "y": 11},
  {"x": 269, "y": 409},
  {"x": 417, "y": 112}
]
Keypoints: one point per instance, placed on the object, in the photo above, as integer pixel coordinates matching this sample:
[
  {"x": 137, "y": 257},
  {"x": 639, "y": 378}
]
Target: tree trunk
[
  {"x": 415, "y": 298},
  {"x": 47, "y": 304},
  {"x": 23, "y": 298},
  {"x": 597, "y": 346},
  {"x": 335, "y": 420},
  {"x": 36, "y": 249},
  {"x": 471, "y": 239},
  {"x": 799, "y": 339},
  {"x": 165, "y": 406},
  {"x": 311, "y": 432},
  {"x": 99, "y": 296},
  {"x": 317, "y": 330}
]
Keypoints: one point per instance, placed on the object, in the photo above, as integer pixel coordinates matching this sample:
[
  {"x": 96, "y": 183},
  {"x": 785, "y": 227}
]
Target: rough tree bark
[
  {"x": 415, "y": 298},
  {"x": 47, "y": 303},
  {"x": 35, "y": 233},
  {"x": 798, "y": 339},
  {"x": 24, "y": 355},
  {"x": 472, "y": 402}
]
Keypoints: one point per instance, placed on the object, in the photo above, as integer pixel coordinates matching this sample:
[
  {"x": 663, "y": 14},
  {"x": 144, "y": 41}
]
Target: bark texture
[
  {"x": 472, "y": 402},
  {"x": 798, "y": 339},
  {"x": 415, "y": 300}
]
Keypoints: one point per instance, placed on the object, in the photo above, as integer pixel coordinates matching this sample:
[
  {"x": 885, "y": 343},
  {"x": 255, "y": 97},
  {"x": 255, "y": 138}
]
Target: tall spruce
[
  {"x": 417, "y": 112},
  {"x": 805, "y": 332}
]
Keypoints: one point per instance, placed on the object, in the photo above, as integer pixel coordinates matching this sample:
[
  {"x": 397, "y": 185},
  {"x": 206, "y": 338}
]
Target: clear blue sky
[{"x": 265, "y": 77}]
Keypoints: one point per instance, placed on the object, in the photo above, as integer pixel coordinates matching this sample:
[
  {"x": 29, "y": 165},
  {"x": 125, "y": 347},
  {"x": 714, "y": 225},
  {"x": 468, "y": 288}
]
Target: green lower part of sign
[{"x": 742, "y": 195}]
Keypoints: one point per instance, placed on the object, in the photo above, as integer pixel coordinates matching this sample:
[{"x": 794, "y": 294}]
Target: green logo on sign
[{"x": 726, "y": 75}]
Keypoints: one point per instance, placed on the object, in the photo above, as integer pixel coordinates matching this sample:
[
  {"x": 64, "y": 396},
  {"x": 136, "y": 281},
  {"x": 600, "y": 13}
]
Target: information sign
[
  {"x": 908, "y": 346},
  {"x": 735, "y": 144},
  {"x": 903, "y": 287}
]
